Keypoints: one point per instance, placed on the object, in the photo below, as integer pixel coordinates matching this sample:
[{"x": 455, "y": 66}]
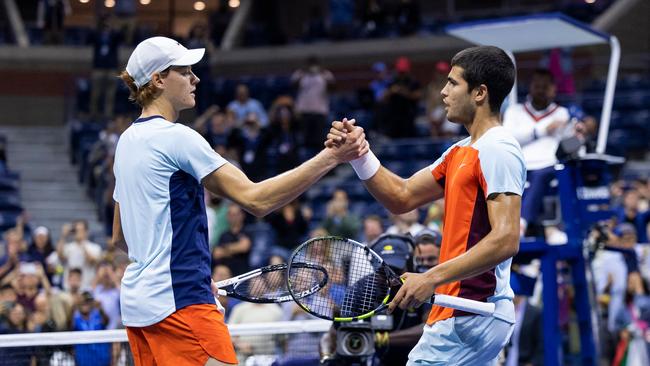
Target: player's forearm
[
  {"x": 276, "y": 192},
  {"x": 390, "y": 190},
  {"x": 485, "y": 255}
]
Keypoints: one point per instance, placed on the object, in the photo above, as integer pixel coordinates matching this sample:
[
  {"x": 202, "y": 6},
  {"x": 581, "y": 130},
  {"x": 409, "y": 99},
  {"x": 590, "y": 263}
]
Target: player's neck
[
  {"x": 482, "y": 122},
  {"x": 160, "y": 107}
]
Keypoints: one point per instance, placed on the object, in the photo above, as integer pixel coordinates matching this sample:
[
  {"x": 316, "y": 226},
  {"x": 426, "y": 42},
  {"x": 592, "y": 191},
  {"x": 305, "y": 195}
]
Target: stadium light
[
  {"x": 199, "y": 5},
  {"x": 109, "y": 3},
  {"x": 233, "y": 3},
  {"x": 145, "y": 2},
  {"x": 84, "y": 1}
]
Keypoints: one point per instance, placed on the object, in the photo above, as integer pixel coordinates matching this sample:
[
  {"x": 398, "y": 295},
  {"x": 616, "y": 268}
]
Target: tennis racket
[
  {"x": 269, "y": 284},
  {"x": 360, "y": 283}
]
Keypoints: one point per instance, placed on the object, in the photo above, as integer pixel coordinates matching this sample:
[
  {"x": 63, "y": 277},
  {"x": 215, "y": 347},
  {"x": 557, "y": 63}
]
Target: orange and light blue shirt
[
  {"x": 470, "y": 174},
  {"x": 158, "y": 170}
]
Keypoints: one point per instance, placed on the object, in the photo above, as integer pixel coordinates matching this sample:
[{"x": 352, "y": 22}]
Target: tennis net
[{"x": 257, "y": 344}]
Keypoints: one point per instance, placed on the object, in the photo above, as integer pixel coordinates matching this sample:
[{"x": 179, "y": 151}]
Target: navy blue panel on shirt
[{"x": 190, "y": 256}]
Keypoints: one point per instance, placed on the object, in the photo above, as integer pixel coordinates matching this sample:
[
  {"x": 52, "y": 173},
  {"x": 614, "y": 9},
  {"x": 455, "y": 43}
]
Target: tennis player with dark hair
[
  {"x": 161, "y": 167},
  {"x": 482, "y": 179}
]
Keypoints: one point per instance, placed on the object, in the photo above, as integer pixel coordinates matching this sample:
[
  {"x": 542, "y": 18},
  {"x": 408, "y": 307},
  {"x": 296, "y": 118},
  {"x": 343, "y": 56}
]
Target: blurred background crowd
[{"x": 66, "y": 275}]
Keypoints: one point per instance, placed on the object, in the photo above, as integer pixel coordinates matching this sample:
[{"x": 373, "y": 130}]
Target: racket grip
[
  {"x": 221, "y": 292},
  {"x": 459, "y": 303}
]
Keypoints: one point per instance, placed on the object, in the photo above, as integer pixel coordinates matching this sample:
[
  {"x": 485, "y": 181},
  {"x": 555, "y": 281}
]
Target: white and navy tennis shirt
[{"x": 158, "y": 169}]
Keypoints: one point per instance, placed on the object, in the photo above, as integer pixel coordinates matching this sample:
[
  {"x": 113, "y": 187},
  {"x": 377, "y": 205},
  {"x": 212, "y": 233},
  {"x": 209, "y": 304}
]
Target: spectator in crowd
[
  {"x": 106, "y": 290},
  {"x": 399, "y": 107},
  {"x": 290, "y": 224},
  {"x": 373, "y": 227},
  {"x": 427, "y": 249},
  {"x": 40, "y": 320},
  {"x": 234, "y": 246},
  {"x": 633, "y": 322},
  {"x": 283, "y": 138},
  {"x": 380, "y": 83},
  {"x": 13, "y": 253},
  {"x": 240, "y": 108},
  {"x": 339, "y": 221},
  {"x": 435, "y": 215},
  {"x": 88, "y": 315},
  {"x": 538, "y": 124},
  {"x": 29, "y": 279},
  {"x": 80, "y": 252},
  {"x": 62, "y": 303},
  {"x": 216, "y": 127},
  {"x": 106, "y": 44},
  {"x": 7, "y": 299},
  {"x": 199, "y": 37},
  {"x": 16, "y": 321},
  {"x": 406, "y": 223},
  {"x": 250, "y": 142},
  {"x": 50, "y": 17},
  {"x": 312, "y": 101},
  {"x": 631, "y": 212},
  {"x": 610, "y": 273},
  {"x": 41, "y": 248}
]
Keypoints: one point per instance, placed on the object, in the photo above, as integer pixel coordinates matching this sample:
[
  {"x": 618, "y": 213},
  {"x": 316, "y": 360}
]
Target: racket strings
[
  {"x": 267, "y": 285},
  {"x": 357, "y": 283},
  {"x": 273, "y": 284}
]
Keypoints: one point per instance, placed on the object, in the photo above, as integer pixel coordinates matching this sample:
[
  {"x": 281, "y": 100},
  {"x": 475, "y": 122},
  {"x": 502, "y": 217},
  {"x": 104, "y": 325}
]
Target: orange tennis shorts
[{"x": 187, "y": 337}]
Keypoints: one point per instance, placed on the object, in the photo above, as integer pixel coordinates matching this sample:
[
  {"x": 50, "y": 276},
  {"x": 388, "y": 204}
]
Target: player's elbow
[
  {"x": 398, "y": 204},
  {"x": 257, "y": 210},
  {"x": 510, "y": 245}
]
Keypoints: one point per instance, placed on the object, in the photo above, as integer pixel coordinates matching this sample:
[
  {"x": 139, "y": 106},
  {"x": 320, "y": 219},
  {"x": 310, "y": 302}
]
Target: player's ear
[
  {"x": 481, "y": 94},
  {"x": 157, "y": 80}
]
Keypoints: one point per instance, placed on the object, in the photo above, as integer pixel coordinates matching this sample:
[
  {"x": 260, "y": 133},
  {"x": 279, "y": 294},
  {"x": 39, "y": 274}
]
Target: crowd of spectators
[{"x": 331, "y": 20}]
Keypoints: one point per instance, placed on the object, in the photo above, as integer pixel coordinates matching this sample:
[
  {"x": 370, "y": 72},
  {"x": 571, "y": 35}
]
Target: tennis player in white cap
[{"x": 160, "y": 169}]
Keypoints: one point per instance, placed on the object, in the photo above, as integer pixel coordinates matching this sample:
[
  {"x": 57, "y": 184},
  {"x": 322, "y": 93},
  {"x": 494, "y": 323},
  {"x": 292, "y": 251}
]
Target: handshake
[{"x": 348, "y": 144}]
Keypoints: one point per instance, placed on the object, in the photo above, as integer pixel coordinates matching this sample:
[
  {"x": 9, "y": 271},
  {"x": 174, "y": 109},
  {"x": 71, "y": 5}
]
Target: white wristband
[{"x": 366, "y": 166}]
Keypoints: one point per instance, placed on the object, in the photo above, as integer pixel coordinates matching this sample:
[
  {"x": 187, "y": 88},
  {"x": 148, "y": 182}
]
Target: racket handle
[{"x": 459, "y": 303}]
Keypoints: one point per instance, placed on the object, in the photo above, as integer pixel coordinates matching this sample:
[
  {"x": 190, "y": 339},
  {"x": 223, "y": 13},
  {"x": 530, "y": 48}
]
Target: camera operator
[
  {"x": 393, "y": 347},
  {"x": 401, "y": 253}
]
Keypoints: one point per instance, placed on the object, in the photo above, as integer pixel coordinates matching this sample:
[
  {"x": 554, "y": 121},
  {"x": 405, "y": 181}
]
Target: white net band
[{"x": 119, "y": 335}]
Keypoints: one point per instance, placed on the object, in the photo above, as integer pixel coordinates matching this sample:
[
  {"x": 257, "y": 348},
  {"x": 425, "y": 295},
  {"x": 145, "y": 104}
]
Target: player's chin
[
  {"x": 452, "y": 117},
  {"x": 190, "y": 102}
]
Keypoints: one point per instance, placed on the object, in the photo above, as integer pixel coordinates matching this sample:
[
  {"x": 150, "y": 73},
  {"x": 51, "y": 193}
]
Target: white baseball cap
[{"x": 156, "y": 54}]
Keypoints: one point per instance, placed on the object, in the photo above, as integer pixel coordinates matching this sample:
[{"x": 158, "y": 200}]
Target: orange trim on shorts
[{"x": 188, "y": 337}]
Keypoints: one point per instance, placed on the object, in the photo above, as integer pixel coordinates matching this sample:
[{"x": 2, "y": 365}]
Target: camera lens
[{"x": 355, "y": 343}]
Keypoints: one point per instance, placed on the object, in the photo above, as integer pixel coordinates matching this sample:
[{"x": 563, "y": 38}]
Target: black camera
[{"x": 356, "y": 340}]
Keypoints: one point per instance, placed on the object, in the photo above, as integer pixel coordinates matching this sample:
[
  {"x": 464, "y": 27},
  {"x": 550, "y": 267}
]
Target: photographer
[{"x": 392, "y": 345}]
